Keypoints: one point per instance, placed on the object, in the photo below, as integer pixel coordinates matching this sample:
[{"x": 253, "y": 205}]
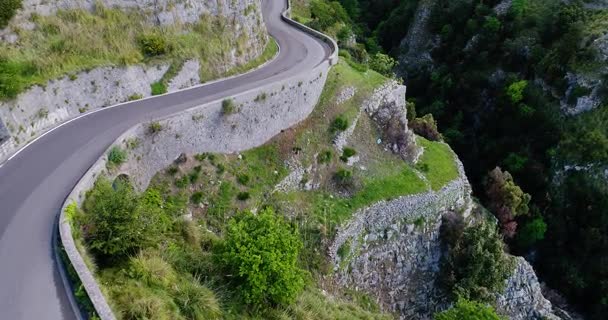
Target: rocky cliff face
[{"x": 392, "y": 251}]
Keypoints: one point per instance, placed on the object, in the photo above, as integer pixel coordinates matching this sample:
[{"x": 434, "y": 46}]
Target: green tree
[
  {"x": 468, "y": 310},
  {"x": 261, "y": 251},
  {"x": 475, "y": 266},
  {"x": 506, "y": 200},
  {"x": 532, "y": 232},
  {"x": 515, "y": 91}
]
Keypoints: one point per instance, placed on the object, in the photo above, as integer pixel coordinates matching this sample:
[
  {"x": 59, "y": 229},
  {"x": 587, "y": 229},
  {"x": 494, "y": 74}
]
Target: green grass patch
[
  {"x": 76, "y": 40},
  {"x": 437, "y": 163}
]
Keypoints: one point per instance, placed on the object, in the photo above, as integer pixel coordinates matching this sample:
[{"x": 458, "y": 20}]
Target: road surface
[{"x": 34, "y": 184}]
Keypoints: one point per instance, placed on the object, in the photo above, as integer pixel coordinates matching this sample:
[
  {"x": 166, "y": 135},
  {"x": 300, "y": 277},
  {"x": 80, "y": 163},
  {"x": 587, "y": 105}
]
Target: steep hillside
[
  {"x": 520, "y": 85},
  {"x": 59, "y": 59}
]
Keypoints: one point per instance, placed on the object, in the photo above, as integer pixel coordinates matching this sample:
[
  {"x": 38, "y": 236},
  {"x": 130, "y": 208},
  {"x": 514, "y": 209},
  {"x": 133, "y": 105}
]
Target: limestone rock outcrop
[{"x": 387, "y": 107}]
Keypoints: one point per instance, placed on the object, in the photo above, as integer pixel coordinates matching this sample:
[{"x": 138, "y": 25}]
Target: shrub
[
  {"x": 7, "y": 11},
  {"x": 475, "y": 266},
  {"x": 261, "y": 251},
  {"x": 426, "y": 127},
  {"x": 153, "y": 45},
  {"x": 325, "y": 157},
  {"x": 383, "y": 64},
  {"x": 118, "y": 222},
  {"x": 200, "y": 157},
  {"x": 136, "y": 96},
  {"x": 154, "y": 127},
  {"x": 347, "y": 153},
  {"x": 158, "y": 88},
  {"x": 339, "y": 124},
  {"x": 117, "y": 156},
  {"x": 243, "y": 179},
  {"x": 228, "y": 106},
  {"x": 242, "y": 196},
  {"x": 506, "y": 200},
  {"x": 172, "y": 170},
  {"x": 197, "y": 197},
  {"x": 182, "y": 182},
  {"x": 344, "y": 178},
  {"x": 465, "y": 309}
]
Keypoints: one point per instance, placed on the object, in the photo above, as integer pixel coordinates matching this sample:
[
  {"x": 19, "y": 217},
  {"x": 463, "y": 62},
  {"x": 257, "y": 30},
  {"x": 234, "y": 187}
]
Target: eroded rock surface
[{"x": 387, "y": 107}]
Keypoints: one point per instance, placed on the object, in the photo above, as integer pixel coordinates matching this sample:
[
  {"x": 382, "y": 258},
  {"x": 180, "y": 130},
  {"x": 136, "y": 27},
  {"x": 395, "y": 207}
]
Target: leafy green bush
[
  {"x": 426, "y": 127},
  {"x": 153, "y": 45},
  {"x": 475, "y": 266},
  {"x": 340, "y": 123},
  {"x": 119, "y": 222},
  {"x": 347, "y": 153},
  {"x": 243, "y": 179},
  {"x": 7, "y": 11},
  {"x": 465, "y": 309},
  {"x": 228, "y": 106},
  {"x": 383, "y": 64},
  {"x": 242, "y": 196},
  {"x": 261, "y": 251},
  {"x": 117, "y": 156},
  {"x": 344, "y": 178},
  {"x": 325, "y": 157},
  {"x": 158, "y": 88}
]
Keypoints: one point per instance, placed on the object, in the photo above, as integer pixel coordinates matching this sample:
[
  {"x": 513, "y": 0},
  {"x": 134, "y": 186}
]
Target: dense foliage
[
  {"x": 495, "y": 82},
  {"x": 261, "y": 251},
  {"x": 119, "y": 221},
  {"x": 475, "y": 266},
  {"x": 506, "y": 200},
  {"x": 468, "y": 310},
  {"x": 7, "y": 11}
]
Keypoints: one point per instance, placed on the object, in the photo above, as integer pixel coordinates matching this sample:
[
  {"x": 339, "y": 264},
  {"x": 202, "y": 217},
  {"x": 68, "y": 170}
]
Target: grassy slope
[
  {"x": 211, "y": 183},
  {"x": 77, "y": 40}
]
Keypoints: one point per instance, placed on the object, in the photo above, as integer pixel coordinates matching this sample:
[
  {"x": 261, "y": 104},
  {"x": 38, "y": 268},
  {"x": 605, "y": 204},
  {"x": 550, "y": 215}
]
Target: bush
[
  {"x": 154, "y": 127},
  {"x": 339, "y": 124},
  {"x": 243, "y": 179},
  {"x": 347, "y": 153},
  {"x": 506, "y": 200},
  {"x": 197, "y": 197},
  {"x": 118, "y": 222},
  {"x": 383, "y": 64},
  {"x": 426, "y": 127},
  {"x": 475, "y": 266},
  {"x": 228, "y": 106},
  {"x": 7, "y": 11},
  {"x": 117, "y": 156},
  {"x": 325, "y": 157},
  {"x": 158, "y": 88},
  {"x": 153, "y": 45},
  {"x": 261, "y": 251},
  {"x": 465, "y": 309},
  {"x": 243, "y": 196},
  {"x": 344, "y": 178}
]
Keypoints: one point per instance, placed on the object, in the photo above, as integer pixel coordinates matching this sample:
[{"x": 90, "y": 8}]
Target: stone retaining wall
[
  {"x": 43, "y": 107},
  {"x": 201, "y": 129}
]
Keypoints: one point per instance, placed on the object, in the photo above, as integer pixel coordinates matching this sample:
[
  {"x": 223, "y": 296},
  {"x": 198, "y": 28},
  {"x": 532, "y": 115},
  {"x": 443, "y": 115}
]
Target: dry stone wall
[{"x": 392, "y": 250}]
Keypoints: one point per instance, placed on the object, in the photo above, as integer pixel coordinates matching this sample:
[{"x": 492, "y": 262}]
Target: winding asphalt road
[{"x": 34, "y": 184}]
